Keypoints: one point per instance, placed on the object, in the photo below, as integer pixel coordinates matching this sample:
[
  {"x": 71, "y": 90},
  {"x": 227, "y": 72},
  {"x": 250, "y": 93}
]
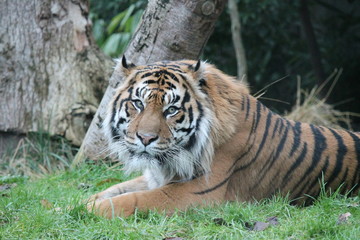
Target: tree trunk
[
  {"x": 237, "y": 41},
  {"x": 169, "y": 30},
  {"x": 315, "y": 55},
  {"x": 52, "y": 76}
]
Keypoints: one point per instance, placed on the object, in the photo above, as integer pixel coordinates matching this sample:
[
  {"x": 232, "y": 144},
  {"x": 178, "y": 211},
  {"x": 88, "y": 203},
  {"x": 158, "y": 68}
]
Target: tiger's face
[{"x": 158, "y": 122}]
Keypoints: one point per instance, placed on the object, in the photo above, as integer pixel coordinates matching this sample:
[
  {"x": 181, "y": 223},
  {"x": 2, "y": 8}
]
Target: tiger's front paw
[{"x": 119, "y": 206}]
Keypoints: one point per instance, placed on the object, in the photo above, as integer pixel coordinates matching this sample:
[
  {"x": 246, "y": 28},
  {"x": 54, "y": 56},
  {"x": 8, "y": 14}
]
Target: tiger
[{"x": 200, "y": 139}]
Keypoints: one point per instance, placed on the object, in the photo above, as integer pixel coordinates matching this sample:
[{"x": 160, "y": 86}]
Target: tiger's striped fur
[{"x": 200, "y": 138}]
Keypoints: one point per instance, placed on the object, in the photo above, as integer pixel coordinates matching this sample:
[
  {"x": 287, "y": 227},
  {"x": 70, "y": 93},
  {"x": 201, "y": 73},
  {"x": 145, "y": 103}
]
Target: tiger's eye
[
  {"x": 138, "y": 104},
  {"x": 171, "y": 110}
]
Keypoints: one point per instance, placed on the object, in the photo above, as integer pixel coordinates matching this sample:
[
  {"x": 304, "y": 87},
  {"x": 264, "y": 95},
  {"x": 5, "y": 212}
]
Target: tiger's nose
[{"x": 147, "y": 138}]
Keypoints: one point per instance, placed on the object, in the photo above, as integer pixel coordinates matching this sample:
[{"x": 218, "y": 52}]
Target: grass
[
  {"x": 36, "y": 155},
  {"x": 24, "y": 216}
]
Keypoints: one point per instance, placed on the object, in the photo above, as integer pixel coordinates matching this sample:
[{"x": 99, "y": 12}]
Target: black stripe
[
  {"x": 172, "y": 76},
  {"x": 187, "y": 130},
  {"x": 183, "y": 77},
  {"x": 186, "y": 99},
  {"x": 320, "y": 145},
  {"x": 213, "y": 188},
  {"x": 249, "y": 148},
  {"x": 258, "y": 115},
  {"x": 278, "y": 121},
  {"x": 191, "y": 115},
  {"x": 137, "y": 93},
  {"x": 171, "y": 85},
  {"x": 297, "y": 138},
  {"x": 201, "y": 114},
  {"x": 295, "y": 165},
  {"x": 174, "y": 69},
  {"x": 121, "y": 121},
  {"x": 202, "y": 83},
  {"x": 181, "y": 119},
  {"x": 242, "y": 103},
  {"x": 247, "y": 107},
  {"x": 150, "y": 82},
  {"x": 127, "y": 110},
  {"x": 341, "y": 152},
  {"x": 279, "y": 149},
  {"x": 191, "y": 143},
  {"x": 143, "y": 91},
  {"x": 175, "y": 99},
  {"x": 115, "y": 134},
  {"x": 316, "y": 180},
  {"x": 148, "y": 74},
  {"x": 114, "y": 108},
  {"x": 157, "y": 89},
  {"x": 261, "y": 146},
  {"x": 241, "y": 157},
  {"x": 356, "y": 140},
  {"x": 281, "y": 126}
]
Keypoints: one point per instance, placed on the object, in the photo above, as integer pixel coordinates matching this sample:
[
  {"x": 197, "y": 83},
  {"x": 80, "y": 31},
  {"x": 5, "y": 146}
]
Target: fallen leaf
[
  {"x": 109, "y": 180},
  {"x": 7, "y": 186},
  {"x": 84, "y": 186},
  {"x": 273, "y": 220},
  {"x": 46, "y": 204},
  {"x": 260, "y": 226},
  {"x": 343, "y": 218},
  {"x": 353, "y": 205}
]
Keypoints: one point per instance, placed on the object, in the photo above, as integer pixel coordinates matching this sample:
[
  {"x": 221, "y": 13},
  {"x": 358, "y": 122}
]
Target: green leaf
[
  {"x": 124, "y": 41},
  {"x": 128, "y": 12},
  {"x": 115, "y": 22},
  {"x": 111, "y": 44},
  {"x": 99, "y": 31}
]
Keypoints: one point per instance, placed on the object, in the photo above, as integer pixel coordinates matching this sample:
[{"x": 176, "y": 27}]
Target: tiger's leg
[
  {"x": 136, "y": 184},
  {"x": 200, "y": 191},
  {"x": 168, "y": 198}
]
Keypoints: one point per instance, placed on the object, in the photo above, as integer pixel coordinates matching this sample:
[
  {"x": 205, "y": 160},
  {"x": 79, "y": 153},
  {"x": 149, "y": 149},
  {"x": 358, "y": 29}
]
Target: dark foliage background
[{"x": 274, "y": 42}]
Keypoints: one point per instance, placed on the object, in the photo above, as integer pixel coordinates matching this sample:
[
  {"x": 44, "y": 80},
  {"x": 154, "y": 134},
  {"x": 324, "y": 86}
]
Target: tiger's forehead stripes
[
  {"x": 167, "y": 71},
  {"x": 160, "y": 84}
]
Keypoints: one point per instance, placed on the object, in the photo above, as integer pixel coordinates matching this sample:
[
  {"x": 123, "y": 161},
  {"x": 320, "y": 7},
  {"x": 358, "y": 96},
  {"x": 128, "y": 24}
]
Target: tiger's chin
[{"x": 161, "y": 168}]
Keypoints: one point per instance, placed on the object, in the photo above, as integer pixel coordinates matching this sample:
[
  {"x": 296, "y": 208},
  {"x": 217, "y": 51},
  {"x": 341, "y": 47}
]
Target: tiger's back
[{"x": 283, "y": 156}]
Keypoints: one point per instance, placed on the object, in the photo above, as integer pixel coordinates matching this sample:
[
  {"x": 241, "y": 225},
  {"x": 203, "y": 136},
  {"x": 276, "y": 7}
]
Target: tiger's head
[{"x": 159, "y": 120}]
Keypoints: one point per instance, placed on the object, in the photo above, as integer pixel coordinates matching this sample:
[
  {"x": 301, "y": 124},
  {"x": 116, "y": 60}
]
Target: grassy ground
[{"x": 29, "y": 210}]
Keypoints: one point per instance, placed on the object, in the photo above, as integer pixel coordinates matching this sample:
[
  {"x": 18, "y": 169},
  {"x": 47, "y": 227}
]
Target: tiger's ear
[
  {"x": 126, "y": 66},
  {"x": 121, "y": 71},
  {"x": 197, "y": 69}
]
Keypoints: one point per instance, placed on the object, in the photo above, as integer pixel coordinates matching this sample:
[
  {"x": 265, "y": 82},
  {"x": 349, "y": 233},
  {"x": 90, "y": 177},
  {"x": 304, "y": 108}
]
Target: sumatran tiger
[{"x": 200, "y": 138}]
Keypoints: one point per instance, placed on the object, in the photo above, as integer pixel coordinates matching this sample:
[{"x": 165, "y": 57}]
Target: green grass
[{"x": 22, "y": 216}]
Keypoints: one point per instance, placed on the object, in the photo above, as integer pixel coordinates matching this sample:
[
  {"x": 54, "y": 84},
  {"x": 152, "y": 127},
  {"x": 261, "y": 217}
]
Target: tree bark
[
  {"x": 237, "y": 41},
  {"x": 169, "y": 30},
  {"x": 52, "y": 76},
  {"x": 313, "y": 46}
]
